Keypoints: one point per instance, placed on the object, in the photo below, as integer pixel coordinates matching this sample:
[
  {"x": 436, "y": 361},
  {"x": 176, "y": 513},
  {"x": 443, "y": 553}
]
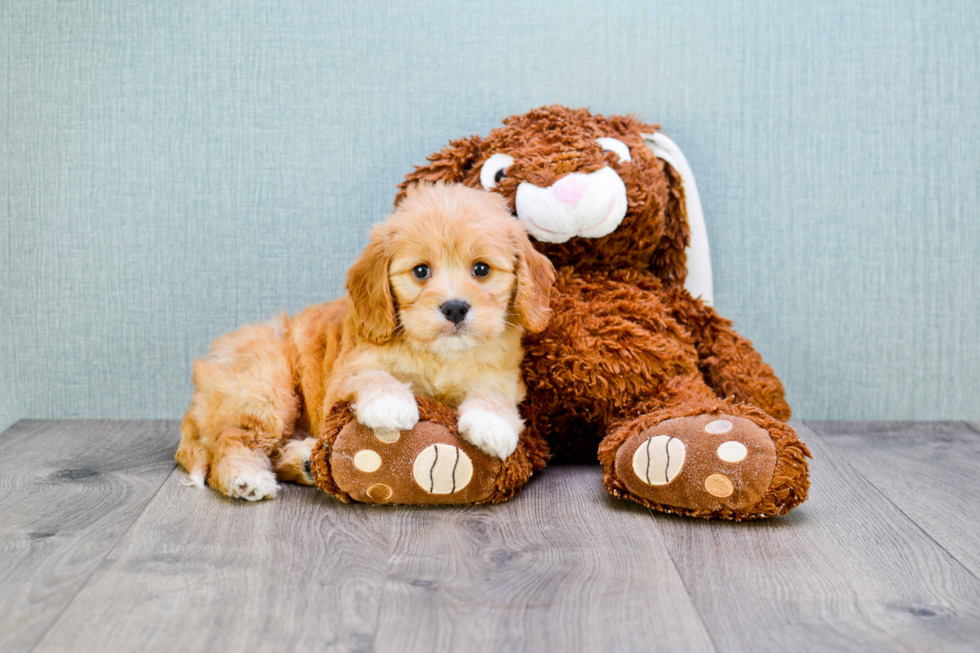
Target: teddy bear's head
[{"x": 589, "y": 189}]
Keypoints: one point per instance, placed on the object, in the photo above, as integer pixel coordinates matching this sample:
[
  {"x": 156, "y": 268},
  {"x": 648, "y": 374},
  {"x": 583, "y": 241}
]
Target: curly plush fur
[{"x": 629, "y": 352}]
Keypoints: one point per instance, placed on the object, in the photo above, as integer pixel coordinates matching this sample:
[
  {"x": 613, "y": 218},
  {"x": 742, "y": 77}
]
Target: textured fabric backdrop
[{"x": 170, "y": 171}]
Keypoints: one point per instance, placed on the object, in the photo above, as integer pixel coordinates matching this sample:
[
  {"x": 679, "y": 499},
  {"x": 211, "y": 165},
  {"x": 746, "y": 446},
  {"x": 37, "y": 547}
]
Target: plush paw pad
[
  {"x": 442, "y": 469},
  {"x": 705, "y": 462},
  {"x": 428, "y": 464},
  {"x": 658, "y": 460}
]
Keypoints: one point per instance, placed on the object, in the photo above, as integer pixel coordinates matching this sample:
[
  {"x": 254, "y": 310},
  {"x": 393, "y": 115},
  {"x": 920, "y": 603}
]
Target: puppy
[{"x": 436, "y": 305}]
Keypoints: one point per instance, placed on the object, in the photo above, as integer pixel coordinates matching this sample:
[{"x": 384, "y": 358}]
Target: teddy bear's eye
[
  {"x": 495, "y": 169},
  {"x": 617, "y": 146}
]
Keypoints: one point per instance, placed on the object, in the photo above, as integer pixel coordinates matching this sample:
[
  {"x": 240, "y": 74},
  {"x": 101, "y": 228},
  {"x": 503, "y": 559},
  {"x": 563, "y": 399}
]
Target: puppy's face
[{"x": 458, "y": 271}]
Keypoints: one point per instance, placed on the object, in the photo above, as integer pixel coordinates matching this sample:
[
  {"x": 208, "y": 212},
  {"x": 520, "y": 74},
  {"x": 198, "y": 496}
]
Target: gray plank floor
[{"x": 103, "y": 549}]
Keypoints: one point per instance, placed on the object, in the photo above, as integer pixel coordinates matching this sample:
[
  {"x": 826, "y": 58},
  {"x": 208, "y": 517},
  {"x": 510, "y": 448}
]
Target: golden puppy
[{"x": 437, "y": 305}]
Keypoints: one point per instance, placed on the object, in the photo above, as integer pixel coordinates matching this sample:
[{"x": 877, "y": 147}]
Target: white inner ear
[
  {"x": 698, "y": 282},
  {"x": 617, "y": 146}
]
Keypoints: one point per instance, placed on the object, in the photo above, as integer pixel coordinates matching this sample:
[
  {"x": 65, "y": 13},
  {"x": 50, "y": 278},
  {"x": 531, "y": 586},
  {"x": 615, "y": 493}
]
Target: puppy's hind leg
[
  {"x": 244, "y": 409},
  {"x": 193, "y": 457},
  {"x": 242, "y": 472}
]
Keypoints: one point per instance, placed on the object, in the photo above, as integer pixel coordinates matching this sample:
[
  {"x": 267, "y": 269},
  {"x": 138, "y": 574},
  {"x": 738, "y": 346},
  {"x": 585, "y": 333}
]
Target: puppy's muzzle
[{"x": 455, "y": 310}]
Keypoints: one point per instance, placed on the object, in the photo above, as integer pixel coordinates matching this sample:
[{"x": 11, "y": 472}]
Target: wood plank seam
[
  {"x": 384, "y": 587},
  {"x": 856, "y": 471},
  {"x": 690, "y": 598},
  {"x": 108, "y": 552}
]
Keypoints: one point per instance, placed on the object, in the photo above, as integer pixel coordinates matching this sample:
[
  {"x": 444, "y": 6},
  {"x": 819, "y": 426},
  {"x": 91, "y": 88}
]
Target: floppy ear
[
  {"x": 449, "y": 165},
  {"x": 369, "y": 289},
  {"x": 535, "y": 276}
]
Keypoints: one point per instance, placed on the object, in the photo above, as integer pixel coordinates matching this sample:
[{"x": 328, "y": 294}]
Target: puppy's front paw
[
  {"x": 488, "y": 431},
  {"x": 389, "y": 413},
  {"x": 253, "y": 485}
]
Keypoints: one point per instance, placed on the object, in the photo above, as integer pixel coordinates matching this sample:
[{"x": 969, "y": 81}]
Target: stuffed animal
[{"x": 682, "y": 412}]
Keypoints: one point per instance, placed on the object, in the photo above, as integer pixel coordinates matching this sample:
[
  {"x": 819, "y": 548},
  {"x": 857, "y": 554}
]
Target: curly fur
[{"x": 627, "y": 346}]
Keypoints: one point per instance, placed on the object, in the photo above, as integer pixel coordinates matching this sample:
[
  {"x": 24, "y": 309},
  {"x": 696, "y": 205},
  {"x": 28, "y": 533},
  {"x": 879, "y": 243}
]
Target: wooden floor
[{"x": 103, "y": 549}]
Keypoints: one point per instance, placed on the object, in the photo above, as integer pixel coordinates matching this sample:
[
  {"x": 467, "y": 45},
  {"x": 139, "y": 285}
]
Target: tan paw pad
[
  {"x": 732, "y": 451},
  {"x": 442, "y": 469},
  {"x": 718, "y": 426},
  {"x": 388, "y": 436},
  {"x": 379, "y": 492},
  {"x": 367, "y": 461},
  {"x": 659, "y": 460},
  {"x": 718, "y": 485}
]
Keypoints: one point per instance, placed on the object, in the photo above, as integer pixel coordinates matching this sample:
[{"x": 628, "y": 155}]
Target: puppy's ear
[
  {"x": 535, "y": 276},
  {"x": 369, "y": 289}
]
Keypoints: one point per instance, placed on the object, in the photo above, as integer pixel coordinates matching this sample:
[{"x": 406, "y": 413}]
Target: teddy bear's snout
[
  {"x": 571, "y": 188},
  {"x": 585, "y": 205}
]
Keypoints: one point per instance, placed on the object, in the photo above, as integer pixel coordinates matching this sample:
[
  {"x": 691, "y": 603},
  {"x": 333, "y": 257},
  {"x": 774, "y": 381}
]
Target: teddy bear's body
[{"x": 683, "y": 413}]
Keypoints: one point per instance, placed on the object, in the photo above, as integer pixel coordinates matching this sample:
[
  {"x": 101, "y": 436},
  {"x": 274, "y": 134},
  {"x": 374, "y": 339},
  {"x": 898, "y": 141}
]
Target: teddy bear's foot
[
  {"x": 713, "y": 465},
  {"x": 428, "y": 464}
]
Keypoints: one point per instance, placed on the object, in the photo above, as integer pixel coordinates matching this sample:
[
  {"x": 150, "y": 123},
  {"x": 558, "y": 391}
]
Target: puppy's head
[{"x": 449, "y": 270}]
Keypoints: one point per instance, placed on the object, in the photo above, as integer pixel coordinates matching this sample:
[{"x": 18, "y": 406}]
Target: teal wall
[{"x": 168, "y": 172}]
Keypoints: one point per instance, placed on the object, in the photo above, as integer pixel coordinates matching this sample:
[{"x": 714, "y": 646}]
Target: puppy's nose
[{"x": 455, "y": 310}]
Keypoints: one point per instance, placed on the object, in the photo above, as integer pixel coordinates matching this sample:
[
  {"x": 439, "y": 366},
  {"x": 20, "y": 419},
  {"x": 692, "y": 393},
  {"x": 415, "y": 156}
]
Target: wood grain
[
  {"x": 201, "y": 572},
  {"x": 845, "y": 571},
  {"x": 563, "y": 567},
  {"x": 929, "y": 470},
  {"x": 68, "y": 491},
  {"x": 103, "y": 549}
]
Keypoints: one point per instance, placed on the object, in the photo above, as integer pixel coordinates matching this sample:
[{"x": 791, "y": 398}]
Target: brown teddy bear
[{"x": 684, "y": 414}]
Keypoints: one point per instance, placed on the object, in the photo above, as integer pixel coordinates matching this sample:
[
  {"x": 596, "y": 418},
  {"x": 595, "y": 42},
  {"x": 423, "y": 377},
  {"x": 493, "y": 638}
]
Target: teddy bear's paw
[
  {"x": 427, "y": 464},
  {"x": 706, "y": 462}
]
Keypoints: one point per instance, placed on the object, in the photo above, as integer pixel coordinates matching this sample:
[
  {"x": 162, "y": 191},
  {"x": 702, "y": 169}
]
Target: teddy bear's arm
[{"x": 729, "y": 363}]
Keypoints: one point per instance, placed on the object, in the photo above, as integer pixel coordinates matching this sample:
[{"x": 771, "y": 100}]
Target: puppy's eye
[
  {"x": 421, "y": 272},
  {"x": 495, "y": 169},
  {"x": 481, "y": 269},
  {"x": 617, "y": 146}
]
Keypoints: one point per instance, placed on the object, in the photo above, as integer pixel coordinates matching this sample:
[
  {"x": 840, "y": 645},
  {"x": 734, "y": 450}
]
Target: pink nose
[{"x": 570, "y": 189}]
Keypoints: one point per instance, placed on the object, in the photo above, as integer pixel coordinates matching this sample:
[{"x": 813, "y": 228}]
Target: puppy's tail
[{"x": 191, "y": 455}]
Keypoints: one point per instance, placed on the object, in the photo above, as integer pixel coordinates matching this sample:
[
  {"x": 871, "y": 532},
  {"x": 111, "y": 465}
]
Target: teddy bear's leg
[
  {"x": 426, "y": 465},
  {"x": 689, "y": 452},
  {"x": 731, "y": 366}
]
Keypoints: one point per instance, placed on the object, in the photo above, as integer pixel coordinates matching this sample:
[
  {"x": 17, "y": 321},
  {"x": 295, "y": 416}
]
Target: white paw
[
  {"x": 194, "y": 479},
  {"x": 488, "y": 431},
  {"x": 388, "y": 413},
  {"x": 254, "y": 485}
]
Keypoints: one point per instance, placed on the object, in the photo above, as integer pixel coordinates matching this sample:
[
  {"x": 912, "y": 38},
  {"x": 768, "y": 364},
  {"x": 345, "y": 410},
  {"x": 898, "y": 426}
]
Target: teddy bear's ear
[
  {"x": 450, "y": 165},
  {"x": 683, "y": 255},
  {"x": 669, "y": 260}
]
